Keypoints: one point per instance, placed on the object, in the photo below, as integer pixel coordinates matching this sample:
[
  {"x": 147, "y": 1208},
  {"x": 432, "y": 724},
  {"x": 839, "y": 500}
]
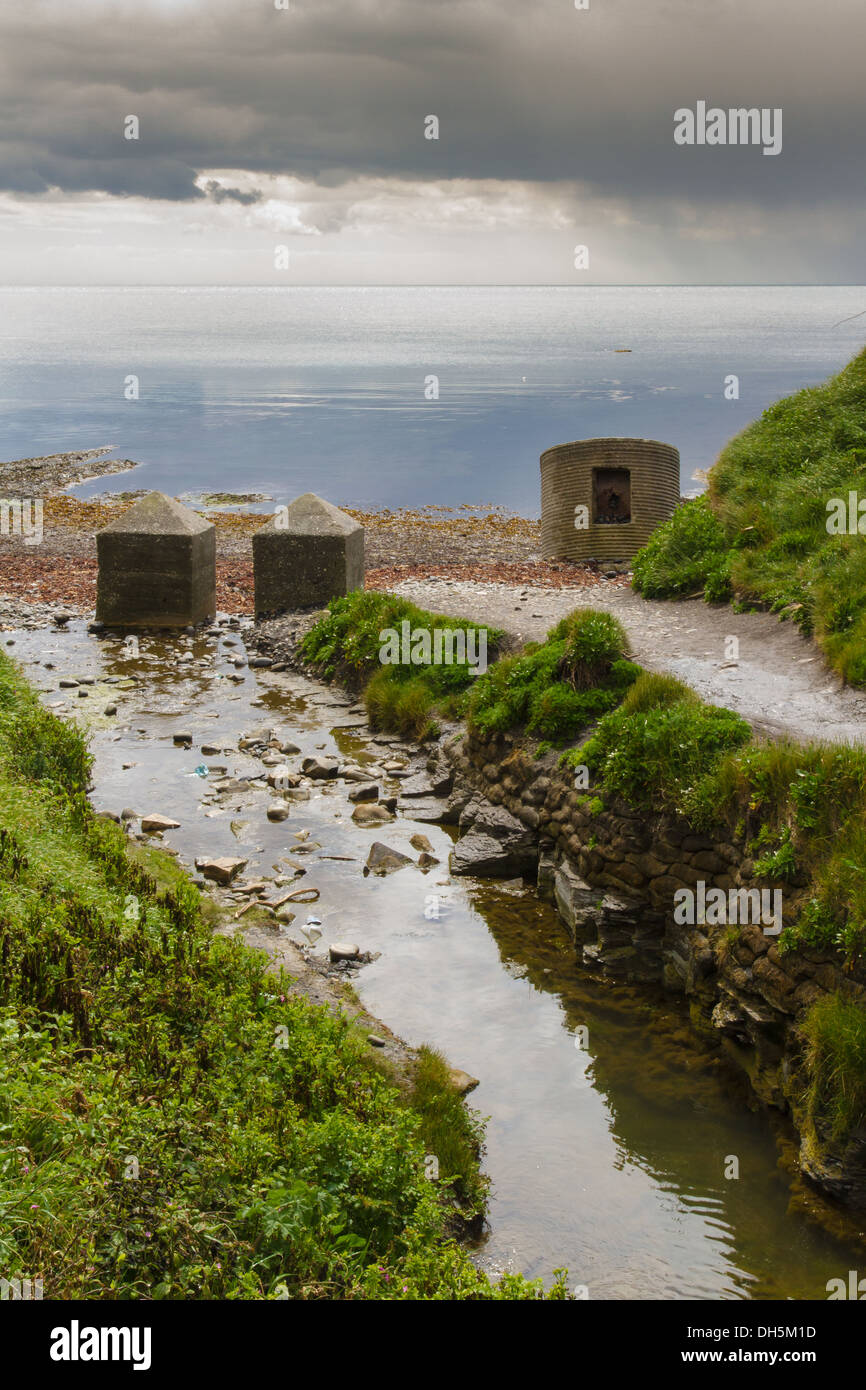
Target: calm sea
[{"x": 284, "y": 390}]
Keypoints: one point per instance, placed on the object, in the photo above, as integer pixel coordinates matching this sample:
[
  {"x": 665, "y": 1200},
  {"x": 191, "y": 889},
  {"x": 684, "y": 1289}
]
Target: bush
[
  {"x": 654, "y": 757},
  {"x": 399, "y": 696},
  {"x": 556, "y": 688},
  {"x": 687, "y": 553}
]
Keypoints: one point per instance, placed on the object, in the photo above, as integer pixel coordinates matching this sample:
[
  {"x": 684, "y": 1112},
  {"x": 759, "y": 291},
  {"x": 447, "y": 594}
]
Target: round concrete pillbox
[{"x": 601, "y": 499}]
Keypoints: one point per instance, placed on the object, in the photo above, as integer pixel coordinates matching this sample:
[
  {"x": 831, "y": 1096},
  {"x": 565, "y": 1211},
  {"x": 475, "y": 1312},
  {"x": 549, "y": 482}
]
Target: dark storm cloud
[{"x": 523, "y": 90}]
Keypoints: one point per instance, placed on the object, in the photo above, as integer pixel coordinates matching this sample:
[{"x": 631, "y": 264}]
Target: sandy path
[{"x": 779, "y": 684}]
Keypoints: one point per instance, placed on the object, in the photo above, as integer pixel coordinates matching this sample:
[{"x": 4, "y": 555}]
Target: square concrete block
[
  {"x": 308, "y": 553},
  {"x": 157, "y": 566}
]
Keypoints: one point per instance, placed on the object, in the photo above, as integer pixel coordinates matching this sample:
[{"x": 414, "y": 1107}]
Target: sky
[{"x": 289, "y": 145}]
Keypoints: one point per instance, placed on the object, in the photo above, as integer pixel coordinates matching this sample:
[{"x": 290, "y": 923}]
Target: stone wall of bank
[{"x": 613, "y": 872}]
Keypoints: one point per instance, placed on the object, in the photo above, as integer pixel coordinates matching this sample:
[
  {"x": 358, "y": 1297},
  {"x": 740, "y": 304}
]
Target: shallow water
[{"x": 608, "y": 1158}]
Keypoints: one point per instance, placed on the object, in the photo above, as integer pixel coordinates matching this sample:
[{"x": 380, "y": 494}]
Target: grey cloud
[
  {"x": 340, "y": 88},
  {"x": 218, "y": 193}
]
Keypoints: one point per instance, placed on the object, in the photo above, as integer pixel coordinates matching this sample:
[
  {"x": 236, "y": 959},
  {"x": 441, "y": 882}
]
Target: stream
[{"x": 609, "y": 1127}]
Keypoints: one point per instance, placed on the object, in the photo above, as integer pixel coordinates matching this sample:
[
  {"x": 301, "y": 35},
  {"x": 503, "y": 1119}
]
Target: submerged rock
[
  {"x": 371, "y": 813},
  {"x": 384, "y": 860}
]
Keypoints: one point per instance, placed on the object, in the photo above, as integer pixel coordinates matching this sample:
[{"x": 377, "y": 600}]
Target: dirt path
[{"x": 779, "y": 683}]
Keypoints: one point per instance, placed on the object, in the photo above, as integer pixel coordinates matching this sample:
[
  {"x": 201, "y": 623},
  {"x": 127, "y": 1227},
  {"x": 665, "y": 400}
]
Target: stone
[
  {"x": 367, "y": 792},
  {"x": 384, "y": 860},
  {"x": 182, "y": 738},
  {"x": 278, "y": 810},
  {"x": 421, "y": 843},
  {"x": 371, "y": 813},
  {"x": 355, "y": 774},
  {"x": 375, "y": 1041},
  {"x": 307, "y": 554},
  {"x": 343, "y": 950},
  {"x": 220, "y": 870},
  {"x": 67, "y": 683},
  {"x": 426, "y": 861},
  {"x": 282, "y": 776},
  {"x": 495, "y": 844},
  {"x": 319, "y": 768},
  {"x": 423, "y": 785},
  {"x": 461, "y": 1080},
  {"x": 157, "y": 566},
  {"x": 154, "y": 823}
]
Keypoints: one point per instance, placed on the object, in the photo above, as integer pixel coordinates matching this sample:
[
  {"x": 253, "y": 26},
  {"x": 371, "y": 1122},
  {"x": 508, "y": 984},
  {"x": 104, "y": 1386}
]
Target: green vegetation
[
  {"x": 685, "y": 556},
  {"x": 173, "y": 1124},
  {"x": 761, "y": 531},
  {"x": 657, "y": 757},
  {"x": 800, "y": 809},
  {"x": 835, "y": 1033},
  {"x": 403, "y": 696},
  {"x": 557, "y": 687}
]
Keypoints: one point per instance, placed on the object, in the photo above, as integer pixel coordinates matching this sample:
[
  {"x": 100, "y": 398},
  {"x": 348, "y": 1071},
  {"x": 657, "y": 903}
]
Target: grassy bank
[
  {"x": 403, "y": 695},
  {"x": 800, "y": 810},
  {"x": 760, "y": 535},
  {"x": 173, "y": 1124}
]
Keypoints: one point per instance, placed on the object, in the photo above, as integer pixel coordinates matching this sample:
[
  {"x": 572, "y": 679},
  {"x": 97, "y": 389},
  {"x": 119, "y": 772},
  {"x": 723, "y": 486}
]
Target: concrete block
[
  {"x": 308, "y": 553},
  {"x": 157, "y": 566}
]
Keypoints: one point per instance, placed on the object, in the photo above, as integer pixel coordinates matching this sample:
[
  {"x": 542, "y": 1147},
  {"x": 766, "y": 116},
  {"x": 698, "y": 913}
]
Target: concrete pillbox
[
  {"x": 157, "y": 566},
  {"x": 308, "y": 553}
]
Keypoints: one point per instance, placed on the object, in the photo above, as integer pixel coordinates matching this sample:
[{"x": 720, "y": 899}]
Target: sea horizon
[{"x": 399, "y": 396}]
